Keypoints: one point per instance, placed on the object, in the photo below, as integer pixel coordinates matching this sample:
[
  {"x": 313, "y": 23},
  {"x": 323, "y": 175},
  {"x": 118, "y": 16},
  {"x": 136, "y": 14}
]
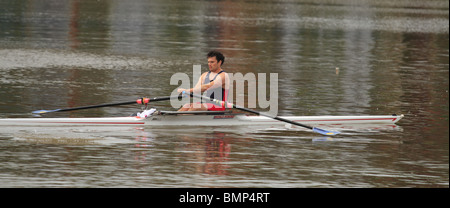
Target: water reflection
[
  {"x": 195, "y": 153},
  {"x": 204, "y": 157},
  {"x": 206, "y": 153}
]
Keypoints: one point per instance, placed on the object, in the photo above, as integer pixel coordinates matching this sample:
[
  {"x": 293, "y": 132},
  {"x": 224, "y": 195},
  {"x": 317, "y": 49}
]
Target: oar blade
[
  {"x": 325, "y": 132},
  {"x": 44, "y": 111}
]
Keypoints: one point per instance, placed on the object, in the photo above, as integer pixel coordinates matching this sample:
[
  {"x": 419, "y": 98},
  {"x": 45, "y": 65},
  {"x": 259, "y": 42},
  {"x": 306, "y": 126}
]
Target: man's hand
[{"x": 180, "y": 90}]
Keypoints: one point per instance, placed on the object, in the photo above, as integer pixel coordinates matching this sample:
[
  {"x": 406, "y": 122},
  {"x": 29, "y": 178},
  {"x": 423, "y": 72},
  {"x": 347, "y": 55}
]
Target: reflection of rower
[
  {"x": 217, "y": 151},
  {"x": 215, "y": 82},
  {"x": 209, "y": 152},
  {"x": 217, "y": 145}
]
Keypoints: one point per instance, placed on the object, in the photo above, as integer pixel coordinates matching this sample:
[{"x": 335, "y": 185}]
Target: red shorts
[{"x": 212, "y": 107}]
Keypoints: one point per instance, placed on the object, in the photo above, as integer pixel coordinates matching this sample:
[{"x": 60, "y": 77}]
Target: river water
[{"x": 392, "y": 57}]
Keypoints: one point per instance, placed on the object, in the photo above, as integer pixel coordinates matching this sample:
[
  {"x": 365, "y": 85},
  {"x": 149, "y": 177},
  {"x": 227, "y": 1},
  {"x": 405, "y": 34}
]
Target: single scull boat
[
  {"x": 207, "y": 118},
  {"x": 203, "y": 118}
]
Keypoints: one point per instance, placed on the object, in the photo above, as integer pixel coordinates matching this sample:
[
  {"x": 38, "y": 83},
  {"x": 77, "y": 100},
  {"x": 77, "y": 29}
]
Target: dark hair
[{"x": 219, "y": 56}]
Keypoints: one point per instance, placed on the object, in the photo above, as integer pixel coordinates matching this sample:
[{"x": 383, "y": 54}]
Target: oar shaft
[
  {"x": 139, "y": 101},
  {"x": 321, "y": 131},
  {"x": 292, "y": 122},
  {"x": 97, "y": 106},
  {"x": 250, "y": 110}
]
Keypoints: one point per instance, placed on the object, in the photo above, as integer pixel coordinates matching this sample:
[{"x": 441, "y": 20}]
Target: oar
[
  {"x": 139, "y": 101},
  {"x": 315, "y": 129}
]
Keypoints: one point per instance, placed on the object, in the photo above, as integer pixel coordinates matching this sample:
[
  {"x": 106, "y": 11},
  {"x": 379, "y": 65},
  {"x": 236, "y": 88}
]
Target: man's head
[{"x": 219, "y": 57}]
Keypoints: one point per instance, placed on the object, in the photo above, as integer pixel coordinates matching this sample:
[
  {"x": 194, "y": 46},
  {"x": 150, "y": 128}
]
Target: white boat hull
[{"x": 198, "y": 120}]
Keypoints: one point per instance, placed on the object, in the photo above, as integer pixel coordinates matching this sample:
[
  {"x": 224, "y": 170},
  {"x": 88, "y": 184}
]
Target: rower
[{"x": 215, "y": 82}]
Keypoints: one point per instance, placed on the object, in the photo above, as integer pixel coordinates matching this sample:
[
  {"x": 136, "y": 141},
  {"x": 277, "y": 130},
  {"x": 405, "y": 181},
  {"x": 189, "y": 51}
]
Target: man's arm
[{"x": 197, "y": 87}]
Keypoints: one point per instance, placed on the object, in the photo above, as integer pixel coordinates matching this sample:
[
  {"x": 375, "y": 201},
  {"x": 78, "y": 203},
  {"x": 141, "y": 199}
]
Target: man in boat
[{"x": 215, "y": 82}]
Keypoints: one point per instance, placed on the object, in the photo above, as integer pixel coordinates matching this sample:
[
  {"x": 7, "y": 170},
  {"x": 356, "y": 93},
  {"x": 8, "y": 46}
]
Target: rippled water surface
[{"x": 392, "y": 57}]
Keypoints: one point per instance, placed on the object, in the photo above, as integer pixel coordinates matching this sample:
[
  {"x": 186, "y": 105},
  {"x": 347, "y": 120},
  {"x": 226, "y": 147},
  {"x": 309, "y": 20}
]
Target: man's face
[{"x": 213, "y": 64}]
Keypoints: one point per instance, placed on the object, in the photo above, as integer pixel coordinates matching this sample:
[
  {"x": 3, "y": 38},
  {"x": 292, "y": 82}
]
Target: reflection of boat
[{"x": 208, "y": 118}]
